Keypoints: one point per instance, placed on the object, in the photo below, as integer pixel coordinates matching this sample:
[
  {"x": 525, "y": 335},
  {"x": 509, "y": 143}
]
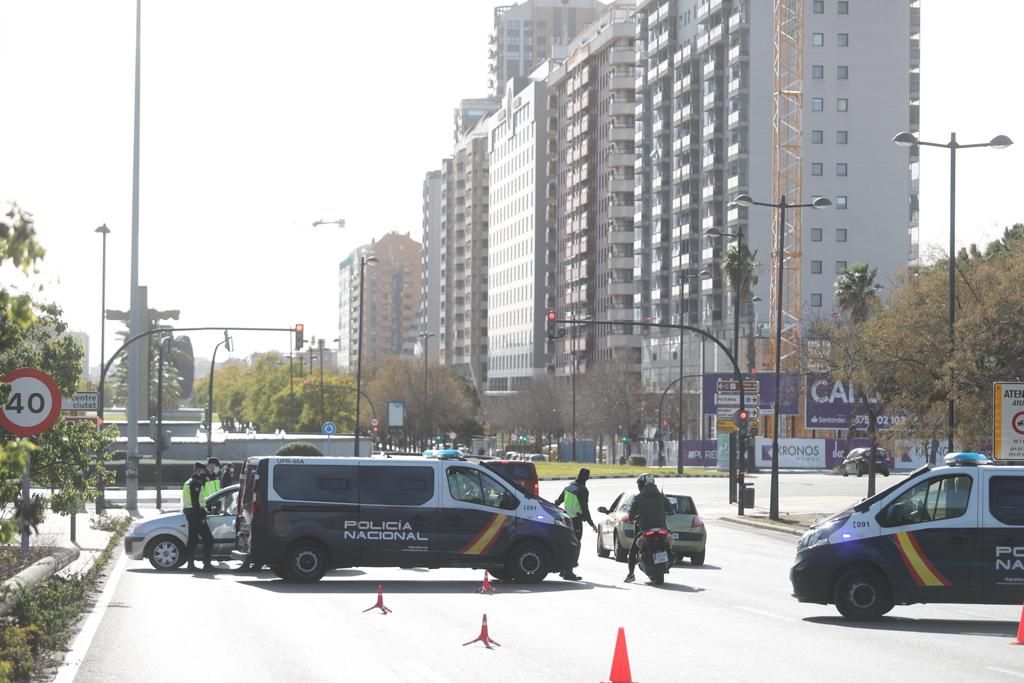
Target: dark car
[
  {"x": 522, "y": 474},
  {"x": 856, "y": 462}
]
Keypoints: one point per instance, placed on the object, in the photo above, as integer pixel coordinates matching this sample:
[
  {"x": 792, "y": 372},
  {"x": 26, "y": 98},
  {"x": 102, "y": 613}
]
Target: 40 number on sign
[{"x": 33, "y": 404}]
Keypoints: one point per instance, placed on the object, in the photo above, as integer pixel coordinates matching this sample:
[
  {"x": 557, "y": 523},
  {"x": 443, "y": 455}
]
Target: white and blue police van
[
  {"x": 304, "y": 516},
  {"x": 952, "y": 534}
]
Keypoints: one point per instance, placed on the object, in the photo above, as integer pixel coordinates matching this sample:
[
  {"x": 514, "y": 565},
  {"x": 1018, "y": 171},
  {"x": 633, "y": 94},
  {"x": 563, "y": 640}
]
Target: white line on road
[
  {"x": 1008, "y": 672},
  {"x": 762, "y": 613},
  {"x": 73, "y": 660}
]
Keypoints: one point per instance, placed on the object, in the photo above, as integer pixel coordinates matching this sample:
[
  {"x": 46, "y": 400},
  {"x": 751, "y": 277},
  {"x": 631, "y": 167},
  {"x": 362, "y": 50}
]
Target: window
[
  {"x": 816, "y": 300},
  {"x": 815, "y": 234},
  {"x": 840, "y": 267},
  {"x": 928, "y": 501},
  {"x": 816, "y": 168},
  {"x": 843, "y": 7},
  {"x": 319, "y": 483},
  {"x": 840, "y": 201},
  {"x": 817, "y": 137},
  {"x": 842, "y": 72},
  {"x": 841, "y": 137},
  {"x": 842, "y": 104},
  {"x": 840, "y": 234},
  {"x": 819, "y": 6},
  {"x": 844, "y": 39},
  {"x": 1006, "y": 499},
  {"x": 817, "y": 71},
  {"x": 818, "y": 104},
  {"x": 471, "y": 486},
  {"x": 841, "y": 169},
  {"x": 818, "y": 39},
  {"x": 389, "y": 485},
  {"x": 816, "y": 267}
]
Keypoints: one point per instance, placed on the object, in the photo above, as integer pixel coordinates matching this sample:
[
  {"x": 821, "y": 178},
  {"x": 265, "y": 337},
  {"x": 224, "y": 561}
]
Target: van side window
[
  {"x": 318, "y": 483},
  {"x": 389, "y": 485},
  {"x": 471, "y": 486},
  {"x": 1006, "y": 499},
  {"x": 935, "y": 499}
]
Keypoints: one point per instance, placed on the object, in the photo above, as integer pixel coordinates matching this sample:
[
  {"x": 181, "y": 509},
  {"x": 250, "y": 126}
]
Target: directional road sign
[
  {"x": 33, "y": 404},
  {"x": 82, "y": 400},
  {"x": 329, "y": 428}
]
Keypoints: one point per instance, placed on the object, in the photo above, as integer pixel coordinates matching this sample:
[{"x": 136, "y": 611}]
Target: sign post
[{"x": 1008, "y": 421}]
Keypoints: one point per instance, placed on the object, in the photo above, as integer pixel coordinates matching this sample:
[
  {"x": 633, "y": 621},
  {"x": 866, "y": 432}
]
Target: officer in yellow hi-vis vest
[
  {"x": 576, "y": 499},
  {"x": 212, "y": 484},
  {"x": 195, "y": 515}
]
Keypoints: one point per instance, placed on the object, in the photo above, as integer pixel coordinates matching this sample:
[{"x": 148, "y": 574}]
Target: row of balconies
[{"x": 681, "y": 85}]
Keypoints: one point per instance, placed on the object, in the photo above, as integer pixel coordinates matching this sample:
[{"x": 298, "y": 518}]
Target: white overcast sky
[{"x": 261, "y": 116}]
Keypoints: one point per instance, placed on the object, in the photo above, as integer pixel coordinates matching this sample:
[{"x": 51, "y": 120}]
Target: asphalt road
[{"x": 732, "y": 619}]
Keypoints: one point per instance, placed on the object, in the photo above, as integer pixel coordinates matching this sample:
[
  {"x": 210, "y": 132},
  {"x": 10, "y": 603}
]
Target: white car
[{"x": 161, "y": 540}]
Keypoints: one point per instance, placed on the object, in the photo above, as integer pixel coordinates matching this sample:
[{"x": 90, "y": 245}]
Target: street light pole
[
  {"x": 363, "y": 261},
  {"x": 425, "y": 337},
  {"x": 226, "y": 343},
  {"x": 745, "y": 200},
  {"x": 998, "y": 142},
  {"x": 103, "y": 230},
  {"x": 160, "y": 423},
  {"x": 320, "y": 347}
]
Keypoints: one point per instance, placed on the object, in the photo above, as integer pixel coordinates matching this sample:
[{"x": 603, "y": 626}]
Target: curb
[
  {"x": 38, "y": 572},
  {"x": 763, "y": 525}
]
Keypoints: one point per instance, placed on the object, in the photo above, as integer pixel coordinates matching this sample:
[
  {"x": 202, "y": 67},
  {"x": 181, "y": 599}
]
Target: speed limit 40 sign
[{"x": 33, "y": 403}]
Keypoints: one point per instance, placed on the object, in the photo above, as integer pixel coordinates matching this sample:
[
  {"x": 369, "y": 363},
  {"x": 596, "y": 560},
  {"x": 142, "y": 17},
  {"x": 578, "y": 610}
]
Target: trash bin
[{"x": 748, "y": 495}]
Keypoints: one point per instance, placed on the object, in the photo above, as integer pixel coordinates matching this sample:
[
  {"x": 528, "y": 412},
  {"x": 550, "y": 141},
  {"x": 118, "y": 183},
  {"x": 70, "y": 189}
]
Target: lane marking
[
  {"x": 74, "y": 658},
  {"x": 1005, "y": 671},
  {"x": 761, "y": 612}
]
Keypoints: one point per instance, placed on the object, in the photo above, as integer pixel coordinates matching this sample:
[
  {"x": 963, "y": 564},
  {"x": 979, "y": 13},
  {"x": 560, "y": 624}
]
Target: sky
[{"x": 261, "y": 116}]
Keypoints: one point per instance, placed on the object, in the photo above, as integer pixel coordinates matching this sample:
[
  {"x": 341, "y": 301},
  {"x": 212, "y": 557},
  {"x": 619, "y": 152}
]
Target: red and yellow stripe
[
  {"x": 921, "y": 569},
  {"x": 483, "y": 541}
]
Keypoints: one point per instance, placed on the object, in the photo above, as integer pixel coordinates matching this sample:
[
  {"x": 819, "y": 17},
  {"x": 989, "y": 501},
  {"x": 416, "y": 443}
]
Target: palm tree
[
  {"x": 856, "y": 291},
  {"x": 741, "y": 267}
]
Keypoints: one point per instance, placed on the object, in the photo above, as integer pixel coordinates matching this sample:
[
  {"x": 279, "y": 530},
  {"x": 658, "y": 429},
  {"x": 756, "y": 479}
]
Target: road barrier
[{"x": 37, "y": 573}]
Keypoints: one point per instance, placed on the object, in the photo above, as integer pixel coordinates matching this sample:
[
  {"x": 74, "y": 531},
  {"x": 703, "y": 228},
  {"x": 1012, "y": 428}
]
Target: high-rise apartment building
[
  {"x": 430, "y": 298},
  {"x": 595, "y": 185},
  {"x": 704, "y": 107},
  {"x": 391, "y": 300},
  {"x": 518, "y": 232},
  {"x": 464, "y": 235},
  {"x": 528, "y": 33}
]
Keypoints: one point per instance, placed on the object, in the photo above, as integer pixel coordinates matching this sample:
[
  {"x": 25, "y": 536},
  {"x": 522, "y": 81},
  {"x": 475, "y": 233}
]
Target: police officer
[
  {"x": 212, "y": 484},
  {"x": 576, "y": 499},
  {"x": 649, "y": 509},
  {"x": 195, "y": 514}
]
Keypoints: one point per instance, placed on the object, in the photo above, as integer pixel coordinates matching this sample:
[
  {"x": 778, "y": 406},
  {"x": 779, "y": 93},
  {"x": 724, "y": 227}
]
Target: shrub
[
  {"x": 20, "y": 647},
  {"x": 638, "y": 460},
  {"x": 299, "y": 449}
]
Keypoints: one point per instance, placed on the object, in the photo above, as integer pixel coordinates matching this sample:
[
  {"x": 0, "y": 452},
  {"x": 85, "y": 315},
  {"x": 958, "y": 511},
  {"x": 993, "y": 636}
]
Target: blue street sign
[{"x": 329, "y": 428}]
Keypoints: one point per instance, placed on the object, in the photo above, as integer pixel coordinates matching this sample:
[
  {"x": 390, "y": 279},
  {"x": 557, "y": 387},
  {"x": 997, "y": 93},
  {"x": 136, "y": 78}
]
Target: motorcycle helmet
[{"x": 643, "y": 480}]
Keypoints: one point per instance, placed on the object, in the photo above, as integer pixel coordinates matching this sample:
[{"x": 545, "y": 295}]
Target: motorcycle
[{"x": 654, "y": 547}]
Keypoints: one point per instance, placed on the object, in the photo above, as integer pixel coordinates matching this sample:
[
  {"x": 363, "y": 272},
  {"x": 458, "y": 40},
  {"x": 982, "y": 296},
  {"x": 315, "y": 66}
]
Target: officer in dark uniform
[
  {"x": 576, "y": 500},
  {"x": 195, "y": 514}
]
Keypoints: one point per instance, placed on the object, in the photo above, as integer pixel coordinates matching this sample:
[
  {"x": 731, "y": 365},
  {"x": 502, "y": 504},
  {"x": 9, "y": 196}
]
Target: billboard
[
  {"x": 789, "y": 388},
  {"x": 833, "y": 404},
  {"x": 793, "y": 453}
]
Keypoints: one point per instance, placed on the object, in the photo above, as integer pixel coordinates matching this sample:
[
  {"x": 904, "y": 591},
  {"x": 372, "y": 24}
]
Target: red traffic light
[
  {"x": 742, "y": 415},
  {"x": 551, "y": 315}
]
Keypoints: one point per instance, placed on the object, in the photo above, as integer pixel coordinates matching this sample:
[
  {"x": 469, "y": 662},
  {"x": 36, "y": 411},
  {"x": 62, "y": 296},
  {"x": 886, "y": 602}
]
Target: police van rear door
[
  {"x": 1000, "y": 560},
  {"x": 398, "y": 514}
]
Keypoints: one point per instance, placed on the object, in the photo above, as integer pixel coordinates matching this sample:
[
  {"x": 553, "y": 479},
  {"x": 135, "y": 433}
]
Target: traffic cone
[
  {"x": 486, "y": 587},
  {"x": 620, "y": 661},
  {"x": 1020, "y": 630},
  {"x": 484, "y": 637},
  {"x": 380, "y": 602}
]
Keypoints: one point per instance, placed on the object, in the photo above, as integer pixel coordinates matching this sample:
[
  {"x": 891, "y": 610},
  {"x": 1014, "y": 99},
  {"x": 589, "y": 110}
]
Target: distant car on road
[
  {"x": 689, "y": 537},
  {"x": 162, "y": 540},
  {"x": 522, "y": 474},
  {"x": 538, "y": 457},
  {"x": 856, "y": 462}
]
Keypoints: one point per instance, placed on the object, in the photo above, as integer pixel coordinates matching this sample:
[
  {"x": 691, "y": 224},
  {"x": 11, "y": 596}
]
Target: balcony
[
  {"x": 737, "y": 85},
  {"x": 622, "y": 83},
  {"x": 710, "y": 67},
  {"x": 707, "y": 222},
  {"x": 621, "y": 185},
  {"x": 684, "y": 171},
  {"x": 735, "y": 182},
  {"x": 620, "y": 288},
  {"x": 620, "y": 262},
  {"x": 737, "y": 150},
  {"x": 736, "y": 118},
  {"x": 657, "y": 98},
  {"x": 619, "y": 236},
  {"x": 621, "y": 108},
  {"x": 738, "y": 53},
  {"x": 620, "y": 211},
  {"x": 709, "y": 191},
  {"x": 622, "y": 56},
  {"x": 709, "y": 100},
  {"x": 681, "y": 202},
  {"x": 710, "y": 161},
  {"x": 738, "y": 19},
  {"x": 708, "y": 131},
  {"x": 619, "y": 133}
]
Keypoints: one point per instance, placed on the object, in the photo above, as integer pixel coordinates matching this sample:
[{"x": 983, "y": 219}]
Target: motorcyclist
[{"x": 649, "y": 509}]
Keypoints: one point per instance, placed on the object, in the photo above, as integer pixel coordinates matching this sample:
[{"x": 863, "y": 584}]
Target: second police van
[
  {"x": 304, "y": 516},
  {"x": 951, "y": 534}
]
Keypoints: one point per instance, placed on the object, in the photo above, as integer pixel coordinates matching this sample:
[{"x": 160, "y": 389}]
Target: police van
[
  {"x": 304, "y": 516},
  {"x": 945, "y": 534}
]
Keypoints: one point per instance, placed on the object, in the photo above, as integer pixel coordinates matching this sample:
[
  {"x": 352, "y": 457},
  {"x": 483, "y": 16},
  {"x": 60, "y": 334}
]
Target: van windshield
[{"x": 868, "y": 502}]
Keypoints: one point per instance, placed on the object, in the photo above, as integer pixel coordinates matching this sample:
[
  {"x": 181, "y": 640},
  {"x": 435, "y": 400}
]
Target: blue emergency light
[{"x": 966, "y": 459}]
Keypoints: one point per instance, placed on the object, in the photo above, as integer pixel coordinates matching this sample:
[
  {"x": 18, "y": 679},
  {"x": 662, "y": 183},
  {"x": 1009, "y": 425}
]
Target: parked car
[
  {"x": 856, "y": 462},
  {"x": 689, "y": 536},
  {"x": 538, "y": 457},
  {"x": 521, "y": 474},
  {"x": 162, "y": 540}
]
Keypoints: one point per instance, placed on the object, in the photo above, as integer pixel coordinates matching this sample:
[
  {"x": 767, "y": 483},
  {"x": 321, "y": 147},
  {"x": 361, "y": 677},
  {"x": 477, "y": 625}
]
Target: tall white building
[{"x": 430, "y": 301}]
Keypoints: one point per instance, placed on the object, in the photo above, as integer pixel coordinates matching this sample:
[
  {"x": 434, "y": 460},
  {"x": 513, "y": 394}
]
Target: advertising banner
[
  {"x": 789, "y": 386},
  {"x": 793, "y": 453},
  {"x": 832, "y": 404}
]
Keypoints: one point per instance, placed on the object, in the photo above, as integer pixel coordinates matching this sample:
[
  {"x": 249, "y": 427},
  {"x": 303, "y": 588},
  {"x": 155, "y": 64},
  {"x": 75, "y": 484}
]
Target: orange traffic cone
[
  {"x": 484, "y": 637},
  {"x": 380, "y": 602},
  {"x": 620, "y": 661},
  {"x": 1020, "y": 630},
  {"x": 486, "y": 587}
]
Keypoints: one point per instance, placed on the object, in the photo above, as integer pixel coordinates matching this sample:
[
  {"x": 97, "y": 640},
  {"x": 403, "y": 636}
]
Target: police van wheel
[
  {"x": 601, "y": 550},
  {"x": 278, "y": 571},
  {"x": 306, "y": 561},
  {"x": 862, "y": 594},
  {"x": 165, "y": 552},
  {"x": 528, "y": 563}
]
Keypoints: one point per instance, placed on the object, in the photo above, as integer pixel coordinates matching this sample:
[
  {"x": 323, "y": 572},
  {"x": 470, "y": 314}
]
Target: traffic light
[
  {"x": 741, "y": 419},
  {"x": 299, "y": 328},
  {"x": 553, "y": 331}
]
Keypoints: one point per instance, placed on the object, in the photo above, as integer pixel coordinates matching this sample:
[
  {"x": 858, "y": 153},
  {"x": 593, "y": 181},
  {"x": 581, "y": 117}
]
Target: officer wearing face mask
[{"x": 212, "y": 484}]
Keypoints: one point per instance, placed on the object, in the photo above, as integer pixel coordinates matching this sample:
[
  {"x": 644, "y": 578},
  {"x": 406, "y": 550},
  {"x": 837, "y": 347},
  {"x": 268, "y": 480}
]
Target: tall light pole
[
  {"x": 320, "y": 348},
  {"x": 363, "y": 262},
  {"x": 909, "y": 140},
  {"x": 744, "y": 200},
  {"x": 226, "y": 343},
  {"x": 160, "y": 421},
  {"x": 103, "y": 230},
  {"x": 136, "y": 314},
  {"x": 425, "y": 341}
]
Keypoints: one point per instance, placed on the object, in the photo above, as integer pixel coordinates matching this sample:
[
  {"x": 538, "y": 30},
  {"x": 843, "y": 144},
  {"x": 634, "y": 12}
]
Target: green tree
[{"x": 856, "y": 291}]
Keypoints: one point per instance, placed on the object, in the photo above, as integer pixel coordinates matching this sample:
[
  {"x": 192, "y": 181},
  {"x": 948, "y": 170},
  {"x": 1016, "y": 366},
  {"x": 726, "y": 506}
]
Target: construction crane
[{"x": 787, "y": 174}]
